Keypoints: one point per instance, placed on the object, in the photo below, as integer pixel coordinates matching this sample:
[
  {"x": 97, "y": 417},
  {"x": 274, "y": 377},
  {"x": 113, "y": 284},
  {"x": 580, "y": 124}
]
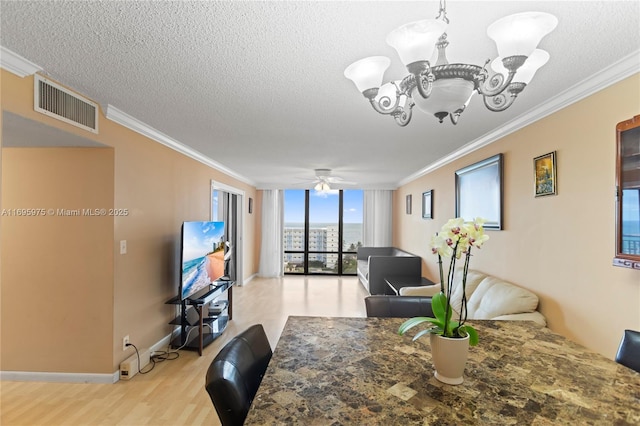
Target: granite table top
[{"x": 359, "y": 371}]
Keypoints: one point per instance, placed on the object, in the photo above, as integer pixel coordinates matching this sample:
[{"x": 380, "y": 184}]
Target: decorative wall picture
[
  {"x": 408, "y": 204},
  {"x": 479, "y": 192},
  {"x": 250, "y": 205},
  {"x": 427, "y": 205},
  {"x": 627, "y": 211},
  {"x": 544, "y": 169}
]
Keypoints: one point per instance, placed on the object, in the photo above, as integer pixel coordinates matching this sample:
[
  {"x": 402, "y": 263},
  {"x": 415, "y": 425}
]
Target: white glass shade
[
  {"x": 367, "y": 73},
  {"x": 526, "y": 72},
  {"x": 447, "y": 95},
  {"x": 416, "y": 41},
  {"x": 322, "y": 186},
  {"x": 520, "y": 34}
]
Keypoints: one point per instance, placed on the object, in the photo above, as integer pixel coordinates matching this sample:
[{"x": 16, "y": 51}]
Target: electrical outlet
[{"x": 125, "y": 342}]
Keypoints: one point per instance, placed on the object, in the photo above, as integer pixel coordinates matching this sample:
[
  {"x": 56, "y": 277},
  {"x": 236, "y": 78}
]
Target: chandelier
[{"x": 445, "y": 89}]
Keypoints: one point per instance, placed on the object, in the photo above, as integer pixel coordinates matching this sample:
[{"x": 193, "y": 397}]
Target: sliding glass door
[
  {"x": 226, "y": 206},
  {"x": 322, "y": 231}
]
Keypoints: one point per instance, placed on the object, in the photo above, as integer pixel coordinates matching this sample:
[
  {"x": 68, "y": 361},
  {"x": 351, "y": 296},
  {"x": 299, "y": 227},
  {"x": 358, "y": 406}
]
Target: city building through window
[{"x": 322, "y": 231}]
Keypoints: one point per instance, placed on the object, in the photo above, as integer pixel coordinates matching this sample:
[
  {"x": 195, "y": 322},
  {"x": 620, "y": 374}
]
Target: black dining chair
[
  {"x": 398, "y": 306},
  {"x": 629, "y": 350},
  {"x": 235, "y": 374}
]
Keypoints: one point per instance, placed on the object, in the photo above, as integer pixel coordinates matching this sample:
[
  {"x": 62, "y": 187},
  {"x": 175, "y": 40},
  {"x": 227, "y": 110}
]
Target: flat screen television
[{"x": 203, "y": 247}]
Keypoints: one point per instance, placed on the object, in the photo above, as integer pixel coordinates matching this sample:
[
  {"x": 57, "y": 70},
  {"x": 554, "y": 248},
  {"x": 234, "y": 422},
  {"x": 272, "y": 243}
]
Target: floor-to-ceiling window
[{"x": 322, "y": 231}]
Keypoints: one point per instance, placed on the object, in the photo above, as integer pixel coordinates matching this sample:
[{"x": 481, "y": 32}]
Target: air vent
[{"x": 58, "y": 102}]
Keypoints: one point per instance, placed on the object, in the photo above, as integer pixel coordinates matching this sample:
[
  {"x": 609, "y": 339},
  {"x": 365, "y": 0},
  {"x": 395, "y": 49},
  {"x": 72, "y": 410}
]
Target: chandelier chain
[{"x": 442, "y": 14}]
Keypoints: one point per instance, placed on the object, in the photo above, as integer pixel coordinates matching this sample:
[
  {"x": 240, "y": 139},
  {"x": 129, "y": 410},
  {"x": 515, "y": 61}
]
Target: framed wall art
[
  {"x": 408, "y": 204},
  {"x": 427, "y": 205},
  {"x": 479, "y": 192},
  {"x": 544, "y": 174},
  {"x": 627, "y": 211},
  {"x": 250, "y": 205}
]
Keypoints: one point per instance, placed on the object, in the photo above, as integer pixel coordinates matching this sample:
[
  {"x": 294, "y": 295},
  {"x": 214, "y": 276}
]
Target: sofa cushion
[
  {"x": 536, "y": 317},
  {"x": 363, "y": 268},
  {"x": 425, "y": 290},
  {"x": 488, "y": 298},
  {"x": 494, "y": 297},
  {"x": 473, "y": 280}
]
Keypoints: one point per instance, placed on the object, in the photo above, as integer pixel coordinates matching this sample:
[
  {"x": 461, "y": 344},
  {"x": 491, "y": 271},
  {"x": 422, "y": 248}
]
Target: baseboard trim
[
  {"x": 163, "y": 344},
  {"x": 94, "y": 378},
  {"x": 41, "y": 376},
  {"x": 248, "y": 279},
  {"x": 37, "y": 376}
]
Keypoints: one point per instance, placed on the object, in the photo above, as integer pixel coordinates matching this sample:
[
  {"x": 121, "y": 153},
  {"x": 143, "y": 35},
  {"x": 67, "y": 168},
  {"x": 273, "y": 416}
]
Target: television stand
[{"x": 203, "y": 317}]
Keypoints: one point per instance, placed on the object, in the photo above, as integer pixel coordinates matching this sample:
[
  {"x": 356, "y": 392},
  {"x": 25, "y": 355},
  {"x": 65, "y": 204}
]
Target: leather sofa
[
  {"x": 488, "y": 297},
  {"x": 377, "y": 263},
  {"x": 380, "y": 305}
]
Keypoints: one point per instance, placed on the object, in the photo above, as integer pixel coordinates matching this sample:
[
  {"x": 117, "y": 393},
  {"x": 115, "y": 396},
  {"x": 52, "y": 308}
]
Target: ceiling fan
[{"x": 324, "y": 179}]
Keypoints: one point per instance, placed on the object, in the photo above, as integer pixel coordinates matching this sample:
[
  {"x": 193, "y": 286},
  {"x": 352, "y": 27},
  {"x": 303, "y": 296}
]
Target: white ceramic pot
[{"x": 449, "y": 358}]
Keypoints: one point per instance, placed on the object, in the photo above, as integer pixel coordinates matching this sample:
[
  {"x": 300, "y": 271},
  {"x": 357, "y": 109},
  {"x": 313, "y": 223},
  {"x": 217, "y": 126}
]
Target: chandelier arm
[
  {"x": 499, "y": 102},
  {"x": 402, "y": 116},
  {"x": 497, "y": 83},
  {"x": 424, "y": 84},
  {"x": 407, "y": 84},
  {"x": 503, "y": 101},
  {"x": 423, "y": 77},
  {"x": 382, "y": 106}
]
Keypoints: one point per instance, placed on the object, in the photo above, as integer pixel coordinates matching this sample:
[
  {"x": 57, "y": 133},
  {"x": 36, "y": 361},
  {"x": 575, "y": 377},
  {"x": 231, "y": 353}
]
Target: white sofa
[{"x": 488, "y": 297}]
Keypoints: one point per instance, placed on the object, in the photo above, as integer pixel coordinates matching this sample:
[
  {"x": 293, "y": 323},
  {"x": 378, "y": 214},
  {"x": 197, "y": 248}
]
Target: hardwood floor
[{"x": 173, "y": 393}]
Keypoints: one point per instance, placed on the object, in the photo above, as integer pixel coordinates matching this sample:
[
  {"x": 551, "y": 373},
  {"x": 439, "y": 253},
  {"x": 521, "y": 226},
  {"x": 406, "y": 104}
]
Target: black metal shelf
[{"x": 198, "y": 326}]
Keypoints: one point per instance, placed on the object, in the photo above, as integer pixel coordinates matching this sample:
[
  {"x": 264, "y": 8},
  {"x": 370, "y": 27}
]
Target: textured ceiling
[{"x": 259, "y": 88}]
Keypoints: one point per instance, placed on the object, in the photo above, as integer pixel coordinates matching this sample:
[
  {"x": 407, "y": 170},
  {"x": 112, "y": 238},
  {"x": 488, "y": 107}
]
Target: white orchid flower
[
  {"x": 453, "y": 226},
  {"x": 476, "y": 234},
  {"x": 440, "y": 245}
]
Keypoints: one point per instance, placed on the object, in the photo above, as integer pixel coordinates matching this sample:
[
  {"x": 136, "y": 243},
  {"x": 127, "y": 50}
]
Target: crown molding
[
  {"x": 124, "y": 119},
  {"x": 16, "y": 64},
  {"x": 626, "y": 67},
  {"x": 22, "y": 67}
]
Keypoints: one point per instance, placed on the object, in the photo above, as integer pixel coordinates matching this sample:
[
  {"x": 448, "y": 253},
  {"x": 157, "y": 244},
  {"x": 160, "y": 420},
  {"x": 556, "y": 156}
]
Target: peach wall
[
  {"x": 560, "y": 247},
  {"x": 161, "y": 188},
  {"x": 57, "y": 279}
]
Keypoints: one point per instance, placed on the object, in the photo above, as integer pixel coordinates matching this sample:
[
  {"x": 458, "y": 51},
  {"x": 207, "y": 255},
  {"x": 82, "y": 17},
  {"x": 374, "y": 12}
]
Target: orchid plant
[{"x": 455, "y": 240}]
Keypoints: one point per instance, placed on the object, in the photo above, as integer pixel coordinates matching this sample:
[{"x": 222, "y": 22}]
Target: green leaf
[
  {"x": 439, "y": 306},
  {"x": 423, "y": 332},
  {"x": 412, "y": 322},
  {"x": 473, "y": 334}
]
